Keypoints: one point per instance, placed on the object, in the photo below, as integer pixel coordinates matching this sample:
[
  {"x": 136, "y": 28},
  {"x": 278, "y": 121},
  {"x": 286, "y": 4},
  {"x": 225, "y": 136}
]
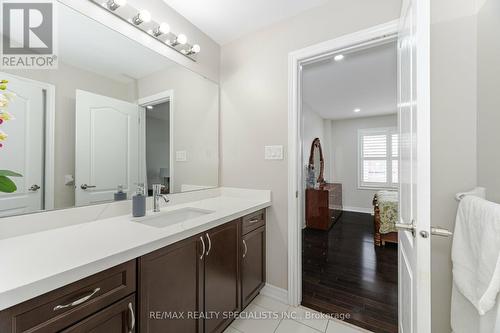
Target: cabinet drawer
[
  {"x": 65, "y": 306},
  {"x": 253, "y": 221},
  {"x": 119, "y": 317}
]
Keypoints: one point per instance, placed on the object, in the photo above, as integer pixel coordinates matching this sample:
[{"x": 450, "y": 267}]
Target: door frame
[
  {"x": 367, "y": 37},
  {"x": 49, "y": 155},
  {"x": 161, "y": 97}
]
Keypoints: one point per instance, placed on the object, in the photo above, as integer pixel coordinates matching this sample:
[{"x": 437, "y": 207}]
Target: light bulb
[
  {"x": 357, "y": 110},
  {"x": 142, "y": 16},
  {"x": 338, "y": 57},
  {"x": 196, "y": 48},
  {"x": 115, "y": 4},
  {"x": 162, "y": 29},
  {"x": 182, "y": 39}
]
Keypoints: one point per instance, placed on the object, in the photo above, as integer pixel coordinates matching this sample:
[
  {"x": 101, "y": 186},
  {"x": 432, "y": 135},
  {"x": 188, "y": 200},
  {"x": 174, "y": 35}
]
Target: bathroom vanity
[{"x": 189, "y": 276}]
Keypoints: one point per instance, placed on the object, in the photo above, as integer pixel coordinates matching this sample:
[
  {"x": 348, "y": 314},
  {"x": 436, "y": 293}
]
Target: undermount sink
[{"x": 162, "y": 220}]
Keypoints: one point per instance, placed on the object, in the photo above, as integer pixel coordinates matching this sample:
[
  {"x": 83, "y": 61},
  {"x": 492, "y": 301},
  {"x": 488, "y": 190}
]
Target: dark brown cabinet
[
  {"x": 193, "y": 286},
  {"x": 68, "y": 305},
  {"x": 190, "y": 280},
  {"x": 171, "y": 284},
  {"x": 221, "y": 275},
  {"x": 323, "y": 206},
  {"x": 253, "y": 269},
  {"x": 253, "y": 257},
  {"x": 117, "y": 318}
]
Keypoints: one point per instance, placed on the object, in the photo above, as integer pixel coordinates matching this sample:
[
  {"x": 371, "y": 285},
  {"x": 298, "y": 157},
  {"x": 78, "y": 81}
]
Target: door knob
[
  {"x": 34, "y": 188},
  {"x": 407, "y": 227},
  {"x": 441, "y": 232},
  {"x": 85, "y": 186}
]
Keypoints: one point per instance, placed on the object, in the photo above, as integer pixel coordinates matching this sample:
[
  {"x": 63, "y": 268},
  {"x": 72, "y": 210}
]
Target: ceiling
[
  {"x": 364, "y": 79},
  {"x": 89, "y": 45},
  {"x": 227, "y": 20}
]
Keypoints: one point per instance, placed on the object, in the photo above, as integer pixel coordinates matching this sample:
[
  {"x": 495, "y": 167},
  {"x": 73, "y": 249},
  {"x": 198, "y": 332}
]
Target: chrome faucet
[{"x": 156, "y": 197}]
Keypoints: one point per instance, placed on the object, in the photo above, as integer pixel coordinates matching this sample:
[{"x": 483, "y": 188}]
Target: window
[{"x": 378, "y": 158}]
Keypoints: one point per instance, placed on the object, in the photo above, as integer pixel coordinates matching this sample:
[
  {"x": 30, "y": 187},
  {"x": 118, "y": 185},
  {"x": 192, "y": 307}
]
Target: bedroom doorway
[{"x": 350, "y": 140}]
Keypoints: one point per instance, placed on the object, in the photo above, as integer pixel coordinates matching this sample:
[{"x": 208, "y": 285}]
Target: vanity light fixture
[
  {"x": 357, "y": 110},
  {"x": 194, "y": 49},
  {"x": 162, "y": 29},
  {"x": 115, "y": 4},
  {"x": 338, "y": 57},
  {"x": 142, "y": 20},
  {"x": 142, "y": 17}
]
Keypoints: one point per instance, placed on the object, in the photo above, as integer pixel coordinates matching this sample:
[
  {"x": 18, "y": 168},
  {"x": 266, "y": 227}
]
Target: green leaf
[
  {"x": 9, "y": 173},
  {"x": 7, "y": 185}
]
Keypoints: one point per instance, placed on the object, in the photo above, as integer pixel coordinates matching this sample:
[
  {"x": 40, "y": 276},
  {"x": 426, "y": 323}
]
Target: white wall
[
  {"x": 254, "y": 90},
  {"x": 488, "y": 127},
  {"x": 66, "y": 80},
  {"x": 345, "y": 158},
  {"x": 195, "y": 114},
  {"x": 453, "y": 134}
]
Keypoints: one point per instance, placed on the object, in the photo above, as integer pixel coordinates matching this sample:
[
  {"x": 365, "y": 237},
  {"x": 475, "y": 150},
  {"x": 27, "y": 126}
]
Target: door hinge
[{"x": 296, "y": 194}]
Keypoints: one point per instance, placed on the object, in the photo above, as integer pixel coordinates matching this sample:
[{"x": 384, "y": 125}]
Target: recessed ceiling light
[
  {"x": 338, "y": 57},
  {"x": 357, "y": 110}
]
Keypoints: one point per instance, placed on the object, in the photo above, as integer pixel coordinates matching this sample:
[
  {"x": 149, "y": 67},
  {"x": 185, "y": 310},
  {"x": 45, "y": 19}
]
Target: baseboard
[
  {"x": 281, "y": 295},
  {"x": 358, "y": 209}
]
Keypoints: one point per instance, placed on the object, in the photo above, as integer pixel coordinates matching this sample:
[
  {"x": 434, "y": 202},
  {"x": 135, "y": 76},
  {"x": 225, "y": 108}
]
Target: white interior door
[
  {"x": 414, "y": 191},
  {"x": 23, "y": 152},
  {"x": 107, "y": 147}
]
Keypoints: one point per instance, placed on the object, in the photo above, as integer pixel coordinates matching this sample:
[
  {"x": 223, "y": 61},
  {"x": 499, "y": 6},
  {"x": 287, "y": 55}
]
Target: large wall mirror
[{"x": 120, "y": 115}]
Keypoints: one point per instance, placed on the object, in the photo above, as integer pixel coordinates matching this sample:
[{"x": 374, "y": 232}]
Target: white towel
[{"x": 476, "y": 252}]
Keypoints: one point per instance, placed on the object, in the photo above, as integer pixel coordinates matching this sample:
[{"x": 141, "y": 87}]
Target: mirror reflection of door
[
  {"x": 23, "y": 152},
  {"x": 158, "y": 146},
  {"x": 107, "y": 148}
]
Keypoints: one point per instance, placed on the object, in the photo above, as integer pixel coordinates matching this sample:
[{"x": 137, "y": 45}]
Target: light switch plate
[
  {"x": 273, "y": 152},
  {"x": 181, "y": 156}
]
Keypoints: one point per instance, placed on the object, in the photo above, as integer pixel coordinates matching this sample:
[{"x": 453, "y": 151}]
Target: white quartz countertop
[{"x": 35, "y": 263}]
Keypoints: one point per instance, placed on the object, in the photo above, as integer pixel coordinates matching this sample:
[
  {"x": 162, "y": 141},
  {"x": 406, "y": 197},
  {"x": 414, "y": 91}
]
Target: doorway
[
  {"x": 340, "y": 261},
  {"x": 349, "y": 240},
  {"x": 157, "y": 149}
]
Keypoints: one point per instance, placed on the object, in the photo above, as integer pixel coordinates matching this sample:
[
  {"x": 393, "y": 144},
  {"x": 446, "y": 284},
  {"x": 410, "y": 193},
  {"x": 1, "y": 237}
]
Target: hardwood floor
[{"x": 343, "y": 272}]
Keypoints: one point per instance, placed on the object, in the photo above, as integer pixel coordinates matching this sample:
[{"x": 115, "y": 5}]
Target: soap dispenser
[
  {"x": 139, "y": 202},
  {"x": 120, "y": 195}
]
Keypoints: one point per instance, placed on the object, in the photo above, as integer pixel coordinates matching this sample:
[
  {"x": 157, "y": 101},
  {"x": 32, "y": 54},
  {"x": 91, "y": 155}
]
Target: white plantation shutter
[{"x": 378, "y": 158}]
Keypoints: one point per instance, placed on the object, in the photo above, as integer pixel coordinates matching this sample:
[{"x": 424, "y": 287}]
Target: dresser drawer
[
  {"x": 65, "y": 306},
  {"x": 253, "y": 221}
]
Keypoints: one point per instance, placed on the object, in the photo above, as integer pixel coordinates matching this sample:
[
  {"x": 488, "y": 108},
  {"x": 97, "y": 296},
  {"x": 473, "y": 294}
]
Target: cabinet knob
[
  {"x": 203, "y": 248},
  {"x": 246, "y": 249},
  {"x": 132, "y": 318}
]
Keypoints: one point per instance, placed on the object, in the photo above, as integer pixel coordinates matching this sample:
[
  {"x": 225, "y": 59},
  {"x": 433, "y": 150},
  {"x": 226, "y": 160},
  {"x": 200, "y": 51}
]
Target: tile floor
[{"x": 266, "y": 315}]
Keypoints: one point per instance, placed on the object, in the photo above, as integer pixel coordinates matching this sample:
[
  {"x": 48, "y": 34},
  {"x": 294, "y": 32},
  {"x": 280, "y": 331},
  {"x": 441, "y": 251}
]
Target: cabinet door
[
  {"x": 116, "y": 318},
  {"x": 253, "y": 265},
  {"x": 171, "y": 286},
  {"x": 221, "y": 275}
]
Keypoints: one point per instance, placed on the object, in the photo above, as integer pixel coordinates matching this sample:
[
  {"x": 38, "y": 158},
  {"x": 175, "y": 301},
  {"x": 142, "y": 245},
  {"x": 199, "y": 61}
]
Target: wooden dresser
[{"x": 323, "y": 206}]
